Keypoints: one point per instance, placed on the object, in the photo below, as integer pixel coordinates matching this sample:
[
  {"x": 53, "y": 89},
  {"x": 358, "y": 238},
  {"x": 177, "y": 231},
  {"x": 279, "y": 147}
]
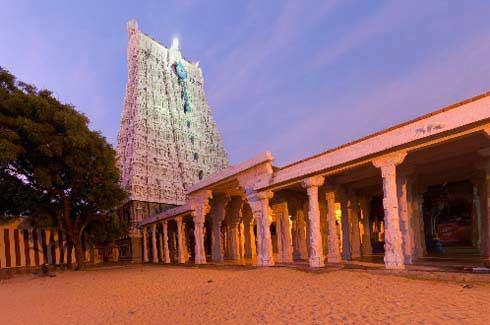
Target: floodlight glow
[{"x": 175, "y": 43}]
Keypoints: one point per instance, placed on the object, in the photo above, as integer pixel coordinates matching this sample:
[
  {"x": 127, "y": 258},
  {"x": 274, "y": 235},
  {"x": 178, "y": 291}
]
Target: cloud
[
  {"x": 391, "y": 16},
  {"x": 246, "y": 66},
  {"x": 442, "y": 79}
]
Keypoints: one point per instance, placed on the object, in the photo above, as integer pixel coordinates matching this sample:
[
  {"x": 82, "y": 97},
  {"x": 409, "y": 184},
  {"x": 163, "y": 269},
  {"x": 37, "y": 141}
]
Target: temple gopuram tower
[{"x": 168, "y": 139}]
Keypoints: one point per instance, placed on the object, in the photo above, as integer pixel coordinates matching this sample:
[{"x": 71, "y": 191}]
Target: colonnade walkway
[{"x": 408, "y": 194}]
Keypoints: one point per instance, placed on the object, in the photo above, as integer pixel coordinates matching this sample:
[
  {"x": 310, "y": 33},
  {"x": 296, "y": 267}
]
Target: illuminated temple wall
[{"x": 167, "y": 139}]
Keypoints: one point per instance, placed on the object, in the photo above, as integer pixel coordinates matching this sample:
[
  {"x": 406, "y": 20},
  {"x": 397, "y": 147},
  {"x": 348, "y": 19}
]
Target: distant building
[{"x": 167, "y": 138}]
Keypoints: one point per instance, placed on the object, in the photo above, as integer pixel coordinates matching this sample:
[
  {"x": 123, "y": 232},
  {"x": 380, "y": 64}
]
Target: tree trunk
[{"x": 77, "y": 242}]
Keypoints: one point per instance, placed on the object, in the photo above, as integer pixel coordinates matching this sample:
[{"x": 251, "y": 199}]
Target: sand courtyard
[{"x": 209, "y": 295}]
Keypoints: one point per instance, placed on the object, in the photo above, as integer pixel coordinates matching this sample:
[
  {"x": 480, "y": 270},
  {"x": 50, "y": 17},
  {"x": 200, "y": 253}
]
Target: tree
[{"x": 53, "y": 168}]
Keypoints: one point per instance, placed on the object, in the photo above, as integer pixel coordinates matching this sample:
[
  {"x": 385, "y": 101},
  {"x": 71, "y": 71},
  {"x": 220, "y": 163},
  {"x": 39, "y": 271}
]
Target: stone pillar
[
  {"x": 185, "y": 242},
  {"x": 234, "y": 238},
  {"x": 175, "y": 245},
  {"x": 200, "y": 203},
  {"x": 316, "y": 258},
  {"x": 199, "y": 249},
  {"x": 3, "y": 257},
  {"x": 64, "y": 246},
  {"x": 416, "y": 213},
  {"x": 136, "y": 239},
  {"x": 161, "y": 254},
  {"x": 333, "y": 255},
  {"x": 299, "y": 226},
  {"x": 344, "y": 218},
  {"x": 226, "y": 240},
  {"x": 353, "y": 215},
  {"x": 235, "y": 217},
  {"x": 484, "y": 224},
  {"x": 160, "y": 246},
  {"x": 180, "y": 240},
  {"x": 166, "y": 250},
  {"x": 145, "y": 245},
  {"x": 42, "y": 258},
  {"x": 420, "y": 207},
  {"x": 323, "y": 221},
  {"x": 284, "y": 230},
  {"x": 259, "y": 202},
  {"x": 250, "y": 250},
  {"x": 49, "y": 253},
  {"x": 22, "y": 251},
  {"x": 394, "y": 255},
  {"x": 218, "y": 212},
  {"x": 32, "y": 248},
  {"x": 477, "y": 220},
  {"x": 56, "y": 247},
  {"x": 367, "y": 248},
  {"x": 154, "y": 249},
  {"x": 406, "y": 226},
  {"x": 13, "y": 260},
  {"x": 73, "y": 255},
  {"x": 87, "y": 249},
  {"x": 241, "y": 243}
]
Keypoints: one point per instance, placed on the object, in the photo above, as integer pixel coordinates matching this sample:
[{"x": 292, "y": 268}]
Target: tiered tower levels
[{"x": 168, "y": 139}]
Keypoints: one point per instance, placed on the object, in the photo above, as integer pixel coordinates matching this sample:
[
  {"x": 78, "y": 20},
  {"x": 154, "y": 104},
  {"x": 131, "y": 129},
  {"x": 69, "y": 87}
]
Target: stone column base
[
  {"x": 264, "y": 263},
  {"x": 316, "y": 262},
  {"x": 334, "y": 259},
  {"x": 200, "y": 261},
  {"x": 394, "y": 265}
]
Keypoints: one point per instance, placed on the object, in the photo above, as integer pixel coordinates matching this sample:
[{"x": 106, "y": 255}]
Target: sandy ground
[{"x": 174, "y": 295}]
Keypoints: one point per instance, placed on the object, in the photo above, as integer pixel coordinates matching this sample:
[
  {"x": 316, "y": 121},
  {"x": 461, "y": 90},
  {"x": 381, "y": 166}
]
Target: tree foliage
[{"x": 53, "y": 168}]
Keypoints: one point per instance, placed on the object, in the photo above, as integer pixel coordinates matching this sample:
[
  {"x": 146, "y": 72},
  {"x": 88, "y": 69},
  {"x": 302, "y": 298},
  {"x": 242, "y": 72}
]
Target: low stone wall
[{"x": 20, "y": 248}]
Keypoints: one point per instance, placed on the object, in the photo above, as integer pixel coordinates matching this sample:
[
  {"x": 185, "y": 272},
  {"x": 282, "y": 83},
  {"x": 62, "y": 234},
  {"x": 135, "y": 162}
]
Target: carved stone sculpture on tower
[{"x": 167, "y": 138}]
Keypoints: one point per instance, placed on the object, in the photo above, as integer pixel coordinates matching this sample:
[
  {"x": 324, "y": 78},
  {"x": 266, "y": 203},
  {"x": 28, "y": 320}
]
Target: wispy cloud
[
  {"x": 247, "y": 64},
  {"x": 444, "y": 78},
  {"x": 389, "y": 17}
]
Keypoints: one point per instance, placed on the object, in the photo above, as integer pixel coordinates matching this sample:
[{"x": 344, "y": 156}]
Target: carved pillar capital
[
  {"x": 394, "y": 255},
  {"x": 316, "y": 250},
  {"x": 314, "y": 181},
  {"x": 235, "y": 206},
  {"x": 199, "y": 202},
  {"x": 259, "y": 203},
  {"x": 260, "y": 196},
  {"x": 391, "y": 160}
]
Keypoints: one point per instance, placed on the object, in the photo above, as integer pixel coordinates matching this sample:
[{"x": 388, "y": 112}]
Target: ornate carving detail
[
  {"x": 316, "y": 248},
  {"x": 333, "y": 233},
  {"x": 257, "y": 176},
  {"x": 163, "y": 148},
  {"x": 199, "y": 202},
  {"x": 314, "y": 181},
  {"x": 393, "y": 159},
  {"x": 394, "y": 256},
  {"x": 218, "y": 213},
  {"x": 259, "y": 203}
]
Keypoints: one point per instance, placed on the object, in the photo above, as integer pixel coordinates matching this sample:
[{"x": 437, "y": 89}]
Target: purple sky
[{"x": 292, "y": 77}]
